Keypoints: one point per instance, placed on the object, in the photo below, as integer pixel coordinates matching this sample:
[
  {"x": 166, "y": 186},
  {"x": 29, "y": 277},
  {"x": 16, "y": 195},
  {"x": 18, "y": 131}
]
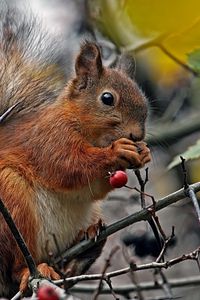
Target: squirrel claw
[{"x": 92, "y": 232}]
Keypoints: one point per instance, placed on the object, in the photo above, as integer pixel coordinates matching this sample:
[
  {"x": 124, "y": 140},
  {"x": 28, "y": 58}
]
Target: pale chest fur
[{"x": 62, "y": 216}]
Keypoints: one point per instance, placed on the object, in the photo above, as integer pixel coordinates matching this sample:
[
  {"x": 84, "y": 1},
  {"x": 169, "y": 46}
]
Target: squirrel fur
[{"x": 59, "y": 142}]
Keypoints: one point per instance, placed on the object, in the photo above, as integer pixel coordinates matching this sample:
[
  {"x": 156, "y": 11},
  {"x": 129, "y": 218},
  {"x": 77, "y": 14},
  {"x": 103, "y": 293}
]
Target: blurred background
[{"x": 164, "y": 38}]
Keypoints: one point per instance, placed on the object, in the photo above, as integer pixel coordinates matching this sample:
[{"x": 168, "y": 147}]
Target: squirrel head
[{"x": 109, "y": 103}]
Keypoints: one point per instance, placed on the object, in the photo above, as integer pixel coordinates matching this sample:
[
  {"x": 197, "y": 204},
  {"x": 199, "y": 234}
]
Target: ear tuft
[
  {"x": 127, "y": 65},
  {"x": 88, "y": 62}
]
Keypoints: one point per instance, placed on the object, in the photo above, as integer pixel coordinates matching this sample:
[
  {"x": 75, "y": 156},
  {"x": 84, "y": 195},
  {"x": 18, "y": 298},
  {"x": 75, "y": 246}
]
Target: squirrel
[{"x": 59, "y": 142}]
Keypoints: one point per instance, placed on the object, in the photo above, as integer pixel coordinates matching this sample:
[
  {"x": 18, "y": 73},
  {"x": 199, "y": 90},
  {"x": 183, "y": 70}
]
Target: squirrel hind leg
[{"x": 44, "y": 270}]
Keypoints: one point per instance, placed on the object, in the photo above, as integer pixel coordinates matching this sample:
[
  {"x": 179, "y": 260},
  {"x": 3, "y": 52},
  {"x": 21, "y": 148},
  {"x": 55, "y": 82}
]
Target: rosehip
[
  {"x": 118, "y": 179},
  {"x": 47, "y": 293}
]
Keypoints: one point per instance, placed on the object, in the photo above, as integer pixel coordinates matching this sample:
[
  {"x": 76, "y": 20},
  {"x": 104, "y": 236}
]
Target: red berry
[
  {"x": 47, "y": 293},
  {"x": 118, "y": 179}
]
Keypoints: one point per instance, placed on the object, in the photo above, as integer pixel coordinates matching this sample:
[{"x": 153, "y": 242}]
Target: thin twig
[
  {"x": 165, "y": 245},
  {"x": 133, "y": 277},
  {"x": 158, "y": 42},
  {"x": 177, "y": 60},
  {"x": 188, "y": 190},
  {"x": 142, "y": 215},
  {"x": 165, "y": 284},
  {"x": 109, "y": 283},
  {"x": 106, "y": 266},
  {"x": 143, "y": 286},
  {"x": 11, "y": 224},
  {"x": 153, "y": 219},
  {"x": 142, "y": 184},
  {"x": 185, "y": 182},
  {"x": 149, "y": 266}
]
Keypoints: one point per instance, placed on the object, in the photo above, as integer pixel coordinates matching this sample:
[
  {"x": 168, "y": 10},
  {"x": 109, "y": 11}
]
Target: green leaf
[
  {"x": 194, "y": 60},
  {"x": 192, "y": 152}
]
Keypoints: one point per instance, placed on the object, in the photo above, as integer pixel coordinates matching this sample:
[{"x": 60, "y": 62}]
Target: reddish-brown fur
[{"x": 59, "y": 156}]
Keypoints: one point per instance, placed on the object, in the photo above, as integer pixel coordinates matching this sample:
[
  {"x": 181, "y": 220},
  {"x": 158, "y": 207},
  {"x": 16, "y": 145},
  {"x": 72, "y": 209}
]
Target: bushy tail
[{"x": 30, "y": 72}]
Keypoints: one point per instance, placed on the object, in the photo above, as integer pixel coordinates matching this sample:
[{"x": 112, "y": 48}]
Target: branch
[
  {"x": 142, "y": 215},
  {"x": 191, "y": 194},
  {"x": 144, "y": 286},
  {"x": 11, "y": 224},
  {"x": 188, "y": 190},
  {"x": 153, "y": 219},
  {"x": 158, "y": 42},
  {"x": 165, "y": 245},
  {"x": 177, "y": 60},
  {"x": 35, "y": 284},
  {"x": 19, "y": 240},
  {"x": 134, "y": 267},
  {"x": 106, "y": 266}
]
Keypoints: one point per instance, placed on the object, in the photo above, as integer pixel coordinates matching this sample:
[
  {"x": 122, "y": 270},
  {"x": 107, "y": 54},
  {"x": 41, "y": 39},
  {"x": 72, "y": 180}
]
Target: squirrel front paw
[{"x": 129, "y": 155}]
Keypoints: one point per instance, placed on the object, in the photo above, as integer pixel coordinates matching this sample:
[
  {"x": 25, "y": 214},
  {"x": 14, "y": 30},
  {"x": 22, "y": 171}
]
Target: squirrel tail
[{"x": 31, "y": 74}]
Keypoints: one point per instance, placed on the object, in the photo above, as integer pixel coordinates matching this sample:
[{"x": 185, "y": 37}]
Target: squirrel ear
[
  {"x": 127, "y": 65},
  {"x": 88, "y": 62}
]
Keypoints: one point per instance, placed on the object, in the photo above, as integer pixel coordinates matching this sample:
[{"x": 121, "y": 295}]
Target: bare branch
[
  {"x": 19, "y": 240},
  {"x": 124, "y": 222},
  {"x": 166, "y": 242},
  {"x": 153, "y": 219},
  {"x": 185, "y": 182},
  {"x": 153, "y": 265},
  {"x": 188, "y": 190},
  {"x": 165, "y": 285},
  {"x": 143, "y": 286},
  {"x": 106, "y": 266},
  {"x": 37, "y": 283}
]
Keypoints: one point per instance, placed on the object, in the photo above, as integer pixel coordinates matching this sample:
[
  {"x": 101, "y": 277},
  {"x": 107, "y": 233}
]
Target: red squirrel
[{"x": 59, "y": 143}]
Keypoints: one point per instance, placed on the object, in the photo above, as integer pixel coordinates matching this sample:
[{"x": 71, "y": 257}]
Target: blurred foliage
[
  {"x": 194, "y": 60},
  {"x": 192, "y": 152},
  {"x": 171, "y": 26}
]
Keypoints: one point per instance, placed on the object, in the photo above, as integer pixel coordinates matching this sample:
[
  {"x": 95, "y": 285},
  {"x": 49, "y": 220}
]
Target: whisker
[{"x": 153, "y": 140}]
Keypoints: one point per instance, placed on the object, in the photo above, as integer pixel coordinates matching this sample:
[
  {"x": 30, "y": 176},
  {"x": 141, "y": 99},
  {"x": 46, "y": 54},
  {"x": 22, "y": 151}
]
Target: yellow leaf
[{"x": 173, "y": 26}]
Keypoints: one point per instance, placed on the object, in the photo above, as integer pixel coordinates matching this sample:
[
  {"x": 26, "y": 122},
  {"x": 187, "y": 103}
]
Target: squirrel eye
[{"x": 107, "y": 98}]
